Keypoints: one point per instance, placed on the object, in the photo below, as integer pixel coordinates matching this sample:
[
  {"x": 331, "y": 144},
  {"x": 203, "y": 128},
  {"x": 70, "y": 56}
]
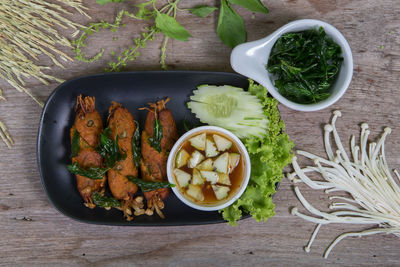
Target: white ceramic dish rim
[
  {"x": 246, "y": 161},
  {"x": 241, "y": 55}
]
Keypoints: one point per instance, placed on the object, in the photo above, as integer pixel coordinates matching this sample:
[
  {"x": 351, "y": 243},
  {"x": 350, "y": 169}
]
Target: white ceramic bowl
[
  {"x": 245, "y": 157},
  {"x": 250, "y": 59}
]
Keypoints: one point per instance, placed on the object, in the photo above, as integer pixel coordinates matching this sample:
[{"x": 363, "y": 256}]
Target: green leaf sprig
[
  {"x": 105, "y": 202},
  {"x": 75, "y": 144},
  {"x": 102, "y": 2},
  {"x": 79, "y": 43},
  {"x": 109, "y": 149},
  {"x": 147, "y": 186},
  {"x": 231, "y": 29},
  {"x": 164, "y": 21},
  {"x": 306, "y": 64},
  {"x": 136, "y": 146},
  {"x": 155, "y": 140},
  {"x": 94, "y": 173}
]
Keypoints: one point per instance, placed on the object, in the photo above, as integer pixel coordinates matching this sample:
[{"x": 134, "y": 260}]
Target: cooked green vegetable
[
  {"x": 155, "y": 140},
  {"x": 109, "y": 149},
  {"x": 75, "y": 144},
  {"x": 92, "y": 172},
  {"x": 136, "y": 146},
  {"x": 104, "y": 201},
  {"x": 269, "y": 154},
  {"x": 147, "y": 186},
  {"x": 306, "y": 64},
  {"x": 231, "y": 108}
]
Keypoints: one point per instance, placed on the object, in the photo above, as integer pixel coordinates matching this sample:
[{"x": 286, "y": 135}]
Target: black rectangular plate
[{"x": 133, "y": 90}]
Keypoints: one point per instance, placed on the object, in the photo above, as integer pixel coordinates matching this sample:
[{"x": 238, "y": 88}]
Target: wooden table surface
[{"x": 372, "y": 29}]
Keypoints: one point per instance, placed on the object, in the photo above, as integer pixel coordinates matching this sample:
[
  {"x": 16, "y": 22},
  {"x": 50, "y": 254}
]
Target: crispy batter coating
[
  {"x": 122, "y": 123},
  {"x": 153, "y": 165},
  {"x": 89, "y": 125}
]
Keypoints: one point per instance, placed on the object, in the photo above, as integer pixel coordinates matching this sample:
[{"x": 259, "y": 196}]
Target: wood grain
[{"x": 46, "y": 237}]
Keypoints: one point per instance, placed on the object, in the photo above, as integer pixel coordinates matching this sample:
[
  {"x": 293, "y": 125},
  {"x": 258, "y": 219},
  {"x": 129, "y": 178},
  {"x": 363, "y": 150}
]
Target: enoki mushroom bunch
[{"x": 373, "y": 194}]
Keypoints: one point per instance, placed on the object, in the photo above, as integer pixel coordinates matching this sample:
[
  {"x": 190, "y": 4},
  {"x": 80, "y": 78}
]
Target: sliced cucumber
[
  {"x": 182, "y": 177},
  {"x": 206, "y": 165},
  {"x": 195, "y": 159},
  {"x": 211, "y": 177},
  {"x": 233, "y": 161},
  {"x": 196, "y": 178},
  {"x": 221, "y": 163},
  {"x": 211, "y": 150},
  {"x": 221, "y": 142},
  {"x": 224, "y": 179},
  {"x": 220, "y": 191},
  {"x": 182, "y": 158},
  {"x": 231, "y": 108},
  {"x": 199, "y": 141},
  {"x": 195, "y": 192}
]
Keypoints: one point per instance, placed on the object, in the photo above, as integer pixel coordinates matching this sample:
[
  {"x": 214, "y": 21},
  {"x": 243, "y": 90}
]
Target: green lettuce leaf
[{"x": 268, "y": 155}]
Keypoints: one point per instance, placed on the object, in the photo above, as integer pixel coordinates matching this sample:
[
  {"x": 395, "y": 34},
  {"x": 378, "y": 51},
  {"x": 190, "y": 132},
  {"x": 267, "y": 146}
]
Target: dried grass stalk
[{"x": 27, "y": 30}]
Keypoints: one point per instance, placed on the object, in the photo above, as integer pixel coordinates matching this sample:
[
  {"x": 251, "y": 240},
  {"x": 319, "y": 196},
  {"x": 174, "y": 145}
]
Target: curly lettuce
[{"x": 269, "y": 155}]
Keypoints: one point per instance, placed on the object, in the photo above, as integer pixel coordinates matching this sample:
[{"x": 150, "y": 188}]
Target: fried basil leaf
[
  {"x": 104, "y": 201},
  {"x": 75, "y": 144},
  {"x": 147, "y": 186},
  {"x": 155, "y": 141},
  {"x": 94, "y": 173},
  {"x": 109, "y": 149}
]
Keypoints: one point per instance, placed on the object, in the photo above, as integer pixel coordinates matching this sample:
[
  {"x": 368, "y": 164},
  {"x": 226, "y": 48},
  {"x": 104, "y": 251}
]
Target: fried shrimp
[
  {"x": 122, "y": 124},
  {"x": 153, "y": 165},
  {"x": 87, "y": 127}
]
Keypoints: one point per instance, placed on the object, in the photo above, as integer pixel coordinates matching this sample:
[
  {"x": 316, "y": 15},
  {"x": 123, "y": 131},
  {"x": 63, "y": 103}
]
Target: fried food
[
  {"x": 153, "y": 165},
  {"x": 122, "y": 123},
  {"x": 88, "y": 125}
]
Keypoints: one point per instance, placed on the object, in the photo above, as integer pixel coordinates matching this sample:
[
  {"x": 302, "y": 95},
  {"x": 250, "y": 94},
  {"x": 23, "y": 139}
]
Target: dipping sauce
[{"x": 208, "y": 168}]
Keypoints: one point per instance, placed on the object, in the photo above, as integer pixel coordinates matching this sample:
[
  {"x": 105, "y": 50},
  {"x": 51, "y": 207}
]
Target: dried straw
[{"x": 27, "y": 30}]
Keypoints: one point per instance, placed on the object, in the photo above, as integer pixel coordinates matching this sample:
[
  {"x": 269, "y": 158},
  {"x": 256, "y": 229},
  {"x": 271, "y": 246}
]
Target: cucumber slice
[
  {"x": 211, "y": 150},
  {"x": 220, "y": 191},
  {"x": 195, "y": 192},
  {"x": 233, "y": 161},
  {"x": 182, "y": 158},
  {"x": 221, "y": 163},
  {"x": 231, "y": 108},
  {"x": 206, "y": 165},
  {"x": 211, "y": 177},
  {"x": 197, "y": 179},
  {"x": 199, "y": 141},
  {"x": 224, "y": 179},
  {"x": 195, "y": 159},
  {"x": 182, "y": 177},
  {"x": 221, "y": 142}
]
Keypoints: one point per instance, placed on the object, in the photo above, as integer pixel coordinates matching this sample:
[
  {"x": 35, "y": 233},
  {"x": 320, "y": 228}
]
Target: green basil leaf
[
  {"x": 75, "y": 144},
  {"x": 105, "y": 202},
  {"x": 171, "y": 28},
  {"x": 102, "y": 2},
  {"x": 94, "y": 173},
  {"x": 136, "y": 146},
  {"x": 203, "y": 10},
  {"x": 230, "y": 28},
  {"x": 109, "y": 149},
  {"x": 155, "y": 141},
  {"x": 147, "y": 186},
  {"x": 252, "y": 5}
]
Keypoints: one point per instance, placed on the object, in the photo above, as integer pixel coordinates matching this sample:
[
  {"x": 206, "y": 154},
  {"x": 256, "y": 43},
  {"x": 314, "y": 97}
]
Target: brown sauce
[{"x": 236, "y": 176}]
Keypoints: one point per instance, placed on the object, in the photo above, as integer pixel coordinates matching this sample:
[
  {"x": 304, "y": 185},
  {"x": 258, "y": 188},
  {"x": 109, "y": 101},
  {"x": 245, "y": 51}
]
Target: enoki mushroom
[{"x": 374, "y": 193}]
